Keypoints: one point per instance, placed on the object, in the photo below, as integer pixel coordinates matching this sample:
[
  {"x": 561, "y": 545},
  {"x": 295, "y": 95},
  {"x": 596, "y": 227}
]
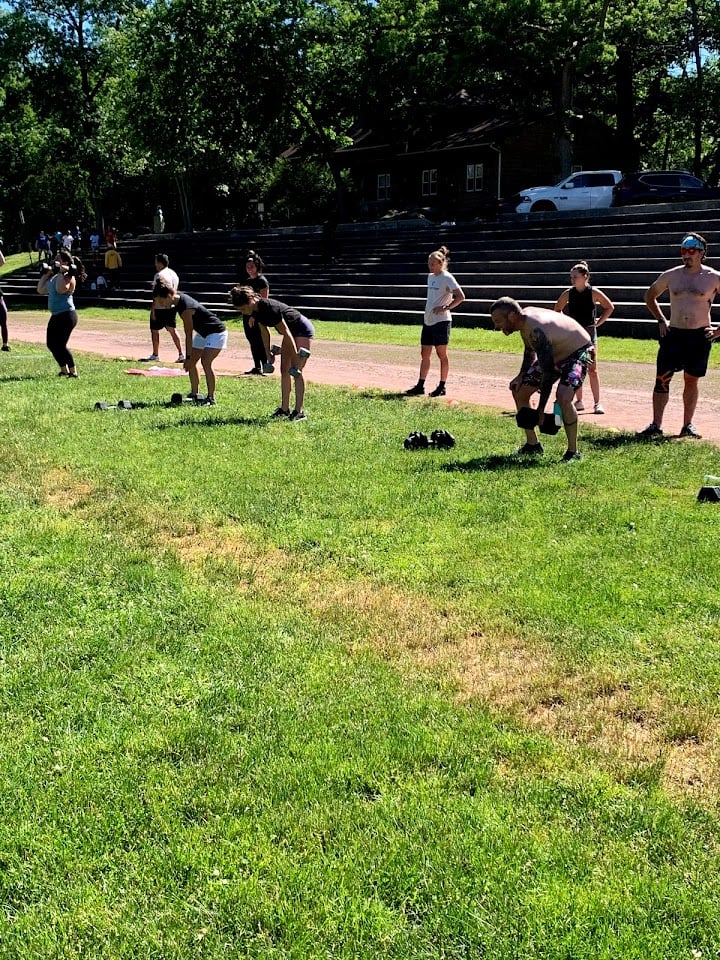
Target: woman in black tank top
[{"x": 581, "y": 302}]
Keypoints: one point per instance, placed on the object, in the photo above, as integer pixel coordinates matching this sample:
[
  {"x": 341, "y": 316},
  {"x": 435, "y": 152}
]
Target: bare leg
[
  {"x": 207, "y": 357},
  {"x": 521, "y": 396},
  {"x": 594, "y": 382},
  {"x": 660, "y": 401},
  {"x": 564, "y": 396},
  {"x": 691, "y": 392},
  {"x": 155, "y": 337},
  {"x": 425, "y": 355},
  {"x": 175, "y": 340},
  {"x": 191, "y": 365},
  {"x": 442, "y": 352},
  {"x": 300, "y": 380}
]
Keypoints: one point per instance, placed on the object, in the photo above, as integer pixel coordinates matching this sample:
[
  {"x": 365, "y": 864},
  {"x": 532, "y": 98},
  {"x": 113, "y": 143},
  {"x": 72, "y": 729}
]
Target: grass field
[{"x": 288, "y": 690}]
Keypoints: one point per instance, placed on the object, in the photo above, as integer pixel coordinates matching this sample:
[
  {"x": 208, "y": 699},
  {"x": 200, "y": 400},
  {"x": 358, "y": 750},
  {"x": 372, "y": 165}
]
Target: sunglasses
[{"x": 690, "y": 250}]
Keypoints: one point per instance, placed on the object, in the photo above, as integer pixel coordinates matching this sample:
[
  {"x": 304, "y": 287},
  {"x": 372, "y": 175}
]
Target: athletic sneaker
[
  {"x": 280, "y": 413},
  {"x": 598, "y": 408},
  {"x": 416, "y": 391},
  {"x": 153, "y": 357},
  {"x": 181, "y": 358},
  {"x": 531, "y": 450},
  {"x": 255, "y": 372},
  {"x": 579, "y": 405},
  {"x": 652, "y": 430},
  {"x": 439, "y": 391},
  {"x": 298, "y": 415},
  {"x": 5, "y": 348},
  {"x": 571, "y": 455},
  {"x": 689, "y": 431},
  {"x": 207, "y": 401}
]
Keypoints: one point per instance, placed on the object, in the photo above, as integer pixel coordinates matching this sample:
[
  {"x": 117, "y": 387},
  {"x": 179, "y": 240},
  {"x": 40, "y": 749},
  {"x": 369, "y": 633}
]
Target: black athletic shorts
[
  {"x": 687, "y": 350},
  {"x": 166, "y": 317},
  {"x": 435, "y": 334}
]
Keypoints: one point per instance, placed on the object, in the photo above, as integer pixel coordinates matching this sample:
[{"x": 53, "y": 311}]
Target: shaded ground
[{"x": 477, "y": 378}]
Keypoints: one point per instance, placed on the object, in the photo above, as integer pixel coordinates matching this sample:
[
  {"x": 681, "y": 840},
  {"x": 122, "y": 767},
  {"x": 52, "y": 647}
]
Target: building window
[
  {"x": 429, "y": 183},
  {"x": 474, "y": 177},
  {"x": 383, "y": 186}
]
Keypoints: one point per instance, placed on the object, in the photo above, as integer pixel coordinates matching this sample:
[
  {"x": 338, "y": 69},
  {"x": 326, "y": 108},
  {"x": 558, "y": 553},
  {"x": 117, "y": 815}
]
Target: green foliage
[{"x": 195, "y": 99}]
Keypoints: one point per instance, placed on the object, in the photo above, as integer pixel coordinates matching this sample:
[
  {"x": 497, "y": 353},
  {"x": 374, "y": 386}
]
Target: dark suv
[{"x": 661, "y": 186}]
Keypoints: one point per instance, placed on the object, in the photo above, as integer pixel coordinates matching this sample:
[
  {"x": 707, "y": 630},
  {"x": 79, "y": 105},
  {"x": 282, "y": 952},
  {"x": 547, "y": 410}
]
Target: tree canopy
[{"x": 113, "y": 106}]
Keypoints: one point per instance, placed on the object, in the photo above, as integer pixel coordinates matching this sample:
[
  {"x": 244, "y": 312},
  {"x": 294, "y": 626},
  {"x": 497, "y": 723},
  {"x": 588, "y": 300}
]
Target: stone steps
[{"x": 378, "y": 271}]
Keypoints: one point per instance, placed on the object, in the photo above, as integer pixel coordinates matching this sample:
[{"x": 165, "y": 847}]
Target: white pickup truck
[{"x": 584, "y": 190}]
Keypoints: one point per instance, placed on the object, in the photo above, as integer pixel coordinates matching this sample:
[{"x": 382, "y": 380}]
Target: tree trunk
[
  {"x": 625, "y": 109},
  {"x": 185, "y": 197}
]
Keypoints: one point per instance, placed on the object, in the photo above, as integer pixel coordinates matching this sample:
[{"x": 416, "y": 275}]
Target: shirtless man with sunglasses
[{"x": 686, "y": 339}]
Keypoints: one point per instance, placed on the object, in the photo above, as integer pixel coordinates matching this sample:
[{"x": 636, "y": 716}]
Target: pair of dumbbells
[
  {"x": 275, "y": 351},
  {"x": 528, "y": 418},
  {"x": 440, "y": 439},
  {"x": 120, "y": 405}
]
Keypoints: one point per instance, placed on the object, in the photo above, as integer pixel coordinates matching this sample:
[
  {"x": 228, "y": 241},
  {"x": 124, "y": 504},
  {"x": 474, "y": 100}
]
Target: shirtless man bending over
[
  {"x": 556, "y": 349},
  {"x": 684, "y": 341}
]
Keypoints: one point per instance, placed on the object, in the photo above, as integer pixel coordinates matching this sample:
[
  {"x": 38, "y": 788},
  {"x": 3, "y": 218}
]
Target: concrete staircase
[{"x": 377, "y": 272}]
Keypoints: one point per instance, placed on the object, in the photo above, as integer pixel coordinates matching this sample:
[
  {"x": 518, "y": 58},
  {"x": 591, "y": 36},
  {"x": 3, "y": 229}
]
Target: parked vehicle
[
  {"x": 661, "y": 186},
  {"x": 585, "y": 190}
]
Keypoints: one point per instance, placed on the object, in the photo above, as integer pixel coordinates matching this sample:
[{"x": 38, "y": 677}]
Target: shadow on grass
[
  {"x": 611, "y": 441},
  {"x": 497, "y": 462},
  {"x": 24, "y": 378},
  {"x": 379, "y": 394},
  {"x": 188, "y": 421}
]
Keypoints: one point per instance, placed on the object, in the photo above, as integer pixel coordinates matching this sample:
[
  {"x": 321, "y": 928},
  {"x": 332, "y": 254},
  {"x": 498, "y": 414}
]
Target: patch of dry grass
[{"x": 626, "y": 727}]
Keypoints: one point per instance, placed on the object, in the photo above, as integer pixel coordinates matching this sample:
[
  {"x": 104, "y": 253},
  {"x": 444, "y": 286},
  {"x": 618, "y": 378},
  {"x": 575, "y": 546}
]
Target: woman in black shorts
[{"x": 297, "y": 333}]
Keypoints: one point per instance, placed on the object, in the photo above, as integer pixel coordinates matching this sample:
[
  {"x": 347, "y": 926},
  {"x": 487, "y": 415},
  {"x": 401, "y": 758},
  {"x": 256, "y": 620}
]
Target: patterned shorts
[{"x": 569, "y": 372}]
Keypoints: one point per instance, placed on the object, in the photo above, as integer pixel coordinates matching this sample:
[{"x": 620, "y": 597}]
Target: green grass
[
  {"x": 15, "y": 262},
  {"x": 276, "y": 690}
]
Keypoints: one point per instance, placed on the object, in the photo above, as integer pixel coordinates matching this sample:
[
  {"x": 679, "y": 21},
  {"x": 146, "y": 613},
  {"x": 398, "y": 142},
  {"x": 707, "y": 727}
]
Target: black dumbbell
[
  {"x": 442, "y": 439},
  {"x": 178, "y": 398},
  {"x": 120, "y": 405},
  {"x": 549, "y": 425},
  {"x": 416, "y": 441},
  {"x": 527, "y": 418}
]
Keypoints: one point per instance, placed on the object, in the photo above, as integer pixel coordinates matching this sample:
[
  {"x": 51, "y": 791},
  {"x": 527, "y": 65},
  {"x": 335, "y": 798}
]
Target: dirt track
[{"x": 477, "y": 378}]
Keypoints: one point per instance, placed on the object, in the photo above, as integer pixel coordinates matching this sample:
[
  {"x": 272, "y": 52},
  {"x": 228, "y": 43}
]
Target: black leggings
[
  {"x": 3, "y": 320},
  {"x": 257, "y": 346},
  {"x": 59, "y": 328}
]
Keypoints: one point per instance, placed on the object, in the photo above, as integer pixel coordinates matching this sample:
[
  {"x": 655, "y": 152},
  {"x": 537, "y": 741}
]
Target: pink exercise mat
[{"x": 157, "y": 372}]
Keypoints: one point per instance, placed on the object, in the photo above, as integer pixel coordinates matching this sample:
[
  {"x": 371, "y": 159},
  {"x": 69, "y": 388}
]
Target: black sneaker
[
  {"x": 298, "y": 415},
  {"x": 5, "y": 348},
  {"x": 689, "y": 431},
  {"x": 652, "y": 430},
  {"x": 207, "y": 402},
  {"x": 416, "y": 391},
  {"x": 570, "y": 456},
  {"x": 531, "y": 450},
  {"x": 279, "y": 413},
  {"x": 439, "y": 391}
]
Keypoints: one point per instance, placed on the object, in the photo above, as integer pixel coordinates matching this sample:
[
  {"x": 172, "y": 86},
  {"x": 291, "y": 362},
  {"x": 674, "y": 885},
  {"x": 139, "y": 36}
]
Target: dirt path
[{"x": 477, "y": 378}]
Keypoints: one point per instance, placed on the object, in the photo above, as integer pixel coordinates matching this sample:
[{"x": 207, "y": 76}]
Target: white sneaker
[
  {"x": 598, "y": 408},
  {"x": 579, "y": 405}
]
